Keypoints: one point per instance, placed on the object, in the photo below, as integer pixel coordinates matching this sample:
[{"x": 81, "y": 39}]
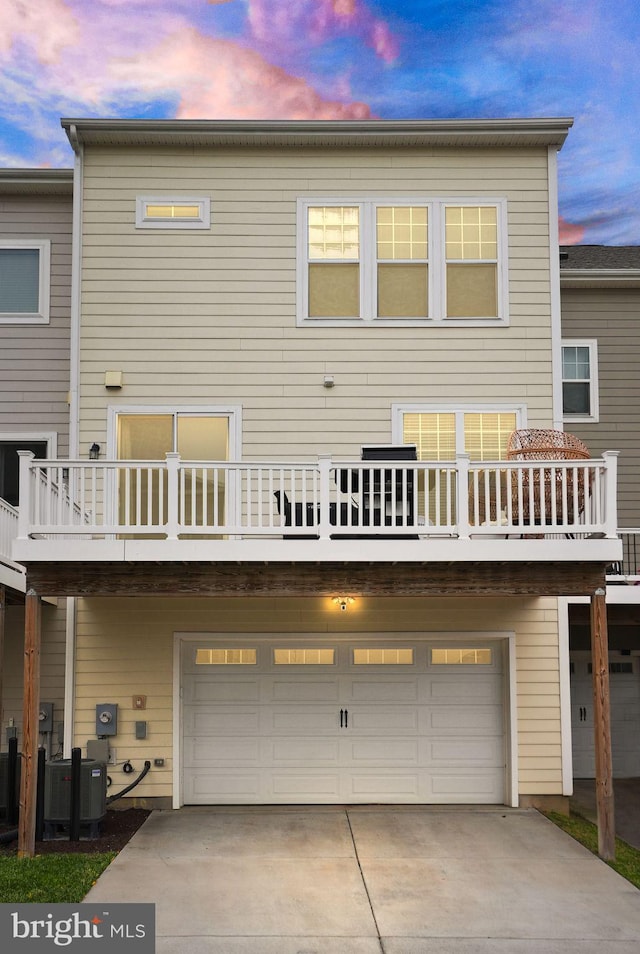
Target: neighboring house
[
  {"x": 266, "y": 612},
  {"x": 35, "y": 308},
  {"x": 600, "y": 294}
]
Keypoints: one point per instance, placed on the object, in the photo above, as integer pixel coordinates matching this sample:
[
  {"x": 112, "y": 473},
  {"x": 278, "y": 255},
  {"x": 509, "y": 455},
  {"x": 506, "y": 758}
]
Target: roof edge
[{"x": 550, "y": 131}]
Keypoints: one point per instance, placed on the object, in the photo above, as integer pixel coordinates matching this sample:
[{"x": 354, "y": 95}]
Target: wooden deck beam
[{"x": 316, "y": 579}]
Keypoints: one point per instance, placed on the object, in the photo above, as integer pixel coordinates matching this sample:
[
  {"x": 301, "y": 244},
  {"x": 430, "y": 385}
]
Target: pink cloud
[
  {"x": 46, "y": 28},
  {"x": 217, "y": 79},
  {"x": 570, "y": 234},
  {"x": 70, "y": 58},
  {"x": 296, "y": 24}
]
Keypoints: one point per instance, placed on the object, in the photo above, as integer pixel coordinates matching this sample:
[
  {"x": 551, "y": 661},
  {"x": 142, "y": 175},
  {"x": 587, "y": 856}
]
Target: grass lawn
[
  {"x": 627, "y": 861},
  {"x": 51, "y": 879}
]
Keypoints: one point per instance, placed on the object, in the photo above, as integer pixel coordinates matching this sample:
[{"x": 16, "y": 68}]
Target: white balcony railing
[
  {"x": 11, "y": 573},
  {"x": 8, "y": 528},
  {"x": 175, "y": 499}
]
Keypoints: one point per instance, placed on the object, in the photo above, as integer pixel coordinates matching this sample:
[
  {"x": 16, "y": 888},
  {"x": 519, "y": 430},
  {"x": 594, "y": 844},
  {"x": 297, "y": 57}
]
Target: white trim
[
  {"x": 232, "y": 411},
  {"x": 51, "y": 438},
  {"x": 41, "y": 316},
  {"x": 554, "y": 279},
  {"x": 177, "y": 789},
  {"x": 437, "y": 262},
  {"x": 144, "y": 221},
  {"x": 69, "y": 676},
  {"x": 565, "y": 695},
  {"x": 511, "y": 723},
  {"x": 594, "y": 396}
]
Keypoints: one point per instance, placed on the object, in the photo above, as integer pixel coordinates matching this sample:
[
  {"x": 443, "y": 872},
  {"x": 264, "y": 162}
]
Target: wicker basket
[{"x": 537, "y": 444}]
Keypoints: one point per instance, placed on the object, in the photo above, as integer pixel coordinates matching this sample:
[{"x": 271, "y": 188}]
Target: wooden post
[
  {"x": 30, "y": 709},
  {"x": 602, "y": 726}
]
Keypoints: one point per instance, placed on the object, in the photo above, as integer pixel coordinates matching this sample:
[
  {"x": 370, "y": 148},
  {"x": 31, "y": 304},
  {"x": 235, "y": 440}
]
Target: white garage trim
[{"x": 509, "y": 701}]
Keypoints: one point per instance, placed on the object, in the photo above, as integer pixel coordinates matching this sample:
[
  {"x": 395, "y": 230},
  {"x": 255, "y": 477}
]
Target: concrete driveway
[{"x": 371, "y": 880}]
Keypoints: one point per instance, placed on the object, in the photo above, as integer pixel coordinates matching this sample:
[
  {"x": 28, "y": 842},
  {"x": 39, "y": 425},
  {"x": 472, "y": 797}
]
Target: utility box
[
  {"x": 57, "y": 794},
  {"x": 45, "y": 717},
  {"x": 107, "y": 718}
]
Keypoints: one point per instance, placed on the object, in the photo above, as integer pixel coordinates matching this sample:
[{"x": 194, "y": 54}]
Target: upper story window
[
  {"x": 396, "y": 261},
  {"x": 580, "y": 380},
  {"x": 24, "y": 281},
  {"x": 173, "y": 212}
]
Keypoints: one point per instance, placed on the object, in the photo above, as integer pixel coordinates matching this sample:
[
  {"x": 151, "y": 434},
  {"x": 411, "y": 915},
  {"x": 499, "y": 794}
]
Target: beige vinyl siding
[
  {"x": 611, "y": 316},
  {"x": 52, "y": 660},
  {"x": 125, "y": 647},
  {"x": 208, "y": 317},
  {"x": 34, "y": 359}
]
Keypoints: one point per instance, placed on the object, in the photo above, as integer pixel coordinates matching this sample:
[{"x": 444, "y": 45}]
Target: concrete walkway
[{"x": 371, "y": 880}]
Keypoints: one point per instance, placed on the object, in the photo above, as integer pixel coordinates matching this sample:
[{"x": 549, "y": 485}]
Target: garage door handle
[
  {"x": 341, "y": 717},
  {"x": 346, "y": 718}
]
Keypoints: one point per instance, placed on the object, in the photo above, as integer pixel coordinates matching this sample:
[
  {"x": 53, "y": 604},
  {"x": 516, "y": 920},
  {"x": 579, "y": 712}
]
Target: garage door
[
  {"x": 332, "y": 722},
  {"x": 624, "y": 687}
]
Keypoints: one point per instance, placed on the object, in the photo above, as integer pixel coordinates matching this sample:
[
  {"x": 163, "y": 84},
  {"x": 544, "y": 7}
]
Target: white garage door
[
  {"x": 624, "y": 687},
  {"x": 332, "y": 722}
]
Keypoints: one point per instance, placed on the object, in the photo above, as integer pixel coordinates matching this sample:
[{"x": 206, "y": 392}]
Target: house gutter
[
  {"x": 460, "y": 132},
  {"x": 596, "y": 277}
]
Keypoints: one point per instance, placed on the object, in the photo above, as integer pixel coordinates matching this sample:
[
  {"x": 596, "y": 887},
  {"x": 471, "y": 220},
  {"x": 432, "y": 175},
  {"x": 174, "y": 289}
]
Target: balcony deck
[{"x": 334, "y": 512}]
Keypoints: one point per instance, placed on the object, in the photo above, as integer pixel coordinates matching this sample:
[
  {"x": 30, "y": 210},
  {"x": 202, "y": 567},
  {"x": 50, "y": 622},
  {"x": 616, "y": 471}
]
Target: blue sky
[{"x": 333, "y": 59}]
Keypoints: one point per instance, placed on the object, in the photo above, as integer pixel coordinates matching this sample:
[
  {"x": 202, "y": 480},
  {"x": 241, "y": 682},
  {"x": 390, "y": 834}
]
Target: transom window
[
  {"x": 382, "y": 657},
  {"x": 304, "y": 657},
  {"x": 466, "y": 656},
  {"x": 226, "y": 657},
  {"x": 390, "y": 262},
  {"x": 24, "y": 281},
  {"x": 173, "y": 212},
  {"x": 579, "y": 380}
]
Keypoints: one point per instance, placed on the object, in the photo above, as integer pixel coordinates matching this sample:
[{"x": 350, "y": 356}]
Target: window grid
[
  {"x": 334, "y": 233},
  {"x": 461, "y": 657},
  {"x": 402, "y": 233},
  {"x": 304, "y": 657},
  {"x": 471, "y": 234},
  {"x": 382, "y": 657},
  {"x": 226, "y": 657}
]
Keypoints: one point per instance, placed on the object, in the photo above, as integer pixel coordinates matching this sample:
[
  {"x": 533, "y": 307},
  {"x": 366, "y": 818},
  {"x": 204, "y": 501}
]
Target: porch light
[
  {"x": 343, "y": 602},
  {"x": 94, "y": 451}
]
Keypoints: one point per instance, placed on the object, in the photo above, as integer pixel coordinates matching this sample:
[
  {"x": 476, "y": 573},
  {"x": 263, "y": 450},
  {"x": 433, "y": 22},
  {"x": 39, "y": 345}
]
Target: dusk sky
[{"x": 340, "y": 59}]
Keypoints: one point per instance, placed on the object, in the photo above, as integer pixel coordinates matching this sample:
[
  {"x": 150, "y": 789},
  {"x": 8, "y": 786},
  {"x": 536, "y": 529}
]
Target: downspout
[
  {"x": 554, "y": 281},
  {"x": 74, "y": 443},
  {"x": 562, "y": 604}
]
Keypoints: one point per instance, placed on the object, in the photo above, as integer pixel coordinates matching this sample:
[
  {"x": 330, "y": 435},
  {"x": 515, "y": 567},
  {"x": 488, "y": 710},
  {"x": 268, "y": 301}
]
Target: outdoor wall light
[
  {"x": 343, "y": 602},
  {"x": 94, "y": 451}
]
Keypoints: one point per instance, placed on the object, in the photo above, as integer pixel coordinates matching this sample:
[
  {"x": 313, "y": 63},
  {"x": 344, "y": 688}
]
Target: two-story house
[
  {"x": 35, "y": 308},
  {"x": 600, "y": 296},
  {"x": 306, "y": 568}
]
